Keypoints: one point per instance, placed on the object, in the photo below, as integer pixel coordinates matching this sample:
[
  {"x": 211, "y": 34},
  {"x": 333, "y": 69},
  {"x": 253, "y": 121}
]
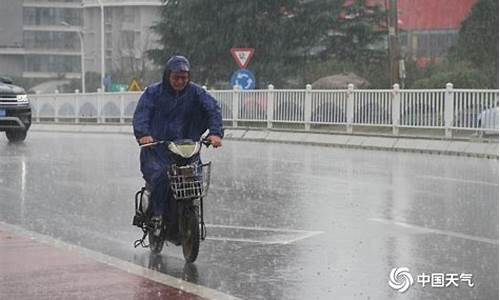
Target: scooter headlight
[{"x": 184, "y": 150}]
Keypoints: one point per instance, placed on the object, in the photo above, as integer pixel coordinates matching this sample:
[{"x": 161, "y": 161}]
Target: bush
[{"x": 462, "y": 75}]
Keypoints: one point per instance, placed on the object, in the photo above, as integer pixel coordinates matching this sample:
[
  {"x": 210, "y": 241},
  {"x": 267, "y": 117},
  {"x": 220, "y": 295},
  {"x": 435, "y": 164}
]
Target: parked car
[{"x": 15, "y": 111}]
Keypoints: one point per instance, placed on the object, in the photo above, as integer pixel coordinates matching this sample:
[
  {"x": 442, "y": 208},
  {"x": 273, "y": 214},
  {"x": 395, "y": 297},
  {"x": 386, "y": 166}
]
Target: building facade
[
  {"x": 127, "y": 34},
  {"x": 36, "y": 40},
  {"x": 428, "y": 28},
  {"x": 46, "y": 38}
]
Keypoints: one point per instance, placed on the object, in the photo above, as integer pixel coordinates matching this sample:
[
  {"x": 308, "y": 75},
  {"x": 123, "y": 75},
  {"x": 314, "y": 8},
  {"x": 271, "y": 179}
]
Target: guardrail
[{"x": 446, "y": 109}]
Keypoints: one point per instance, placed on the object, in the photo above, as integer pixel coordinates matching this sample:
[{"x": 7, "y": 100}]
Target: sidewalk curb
[{"x": 400, "y": 144}]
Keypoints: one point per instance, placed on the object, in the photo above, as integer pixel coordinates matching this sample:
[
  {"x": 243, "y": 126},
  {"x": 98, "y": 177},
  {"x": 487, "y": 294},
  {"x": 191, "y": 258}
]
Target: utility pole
[{"x": 393, "y": 32}]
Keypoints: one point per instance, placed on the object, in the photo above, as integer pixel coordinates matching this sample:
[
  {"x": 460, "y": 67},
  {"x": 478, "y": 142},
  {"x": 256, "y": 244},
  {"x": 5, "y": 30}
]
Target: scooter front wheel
[
  {"x": 155, "y": 243},
  {"x": 190, "y": 230}
]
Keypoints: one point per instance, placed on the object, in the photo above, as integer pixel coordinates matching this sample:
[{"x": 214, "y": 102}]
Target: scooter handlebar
[
  {"x": 204, "y": 141},
  {"x": 151, "y": 144}
]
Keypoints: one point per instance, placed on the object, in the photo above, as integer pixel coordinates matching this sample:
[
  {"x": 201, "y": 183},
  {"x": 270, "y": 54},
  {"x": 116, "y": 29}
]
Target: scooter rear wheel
[{"x": 191, "y": 234}]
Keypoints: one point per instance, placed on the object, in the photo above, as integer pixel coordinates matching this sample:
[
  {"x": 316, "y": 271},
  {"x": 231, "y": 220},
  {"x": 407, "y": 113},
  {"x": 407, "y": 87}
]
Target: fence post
[
  {"x": 308, "y": 107},
  {"x": 99, "y": 108},
  {"x": 350, "y": 107},
  {"x": 56, "y": 110},
  {"x": 122, "y": 109},
  {"x": 236, "y": 106},
  {"x": 448, "y": 110},
  {"x": 396, "y": 107},
  {"x": 270, "y": 106},
  {"x": 77, "y": 109}
]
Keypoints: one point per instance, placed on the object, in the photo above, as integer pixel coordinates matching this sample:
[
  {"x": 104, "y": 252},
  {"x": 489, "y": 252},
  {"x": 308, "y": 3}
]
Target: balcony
[
  {"x": 50, "y": 28},
  {"x": 12, "y": 51},
  {"x": 58, "y": 52},
  {"x": 41, "y": 3},
  {"x": 110, "y": 3},
  {"x": 68, "y": 75}
]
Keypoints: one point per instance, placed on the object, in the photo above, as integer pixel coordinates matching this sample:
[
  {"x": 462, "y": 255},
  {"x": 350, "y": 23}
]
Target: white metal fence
[{"x": 448, "y": 108}]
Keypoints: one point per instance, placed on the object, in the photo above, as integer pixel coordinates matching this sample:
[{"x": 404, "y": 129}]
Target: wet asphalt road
[{"x": 285, "y": 221}]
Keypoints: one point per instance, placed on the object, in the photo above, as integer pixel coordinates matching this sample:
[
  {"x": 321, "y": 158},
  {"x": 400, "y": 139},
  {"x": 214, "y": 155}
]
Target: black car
[{"x": 15, "y": 111}]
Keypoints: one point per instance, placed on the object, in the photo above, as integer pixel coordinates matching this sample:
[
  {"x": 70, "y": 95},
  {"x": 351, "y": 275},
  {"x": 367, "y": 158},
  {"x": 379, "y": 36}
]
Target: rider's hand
[
  {"x": 215, "y": 140},
  {"x": 146, "y": 140}
]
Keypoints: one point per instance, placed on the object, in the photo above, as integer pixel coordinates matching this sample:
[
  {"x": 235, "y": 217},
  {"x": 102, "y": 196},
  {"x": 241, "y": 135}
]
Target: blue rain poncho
[{"x": 168, "y": 115}]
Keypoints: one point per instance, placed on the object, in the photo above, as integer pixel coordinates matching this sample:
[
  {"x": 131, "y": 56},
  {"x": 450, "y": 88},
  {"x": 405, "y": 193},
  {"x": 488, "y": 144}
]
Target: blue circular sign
[{"x": 243, "y": 78}]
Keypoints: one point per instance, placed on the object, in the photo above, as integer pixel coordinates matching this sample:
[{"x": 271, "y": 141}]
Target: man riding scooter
[{"x": 170, "y": 110}]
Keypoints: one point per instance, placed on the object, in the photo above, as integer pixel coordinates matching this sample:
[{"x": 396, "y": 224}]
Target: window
[
  {"x": 109, "y": 40},
  {"x": 434, "y": 44},
  {"x": 127, "y": 40},
  {"x": 129, "y": 15},
  {"x": 51, "y": 40},
  {"x": 29, "y": 16},
  {"x": 52, "y": 63},
  {"x": 51, "y": 16}
]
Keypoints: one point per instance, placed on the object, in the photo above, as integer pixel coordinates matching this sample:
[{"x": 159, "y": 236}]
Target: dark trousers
[{"x": 154, "y": 169}]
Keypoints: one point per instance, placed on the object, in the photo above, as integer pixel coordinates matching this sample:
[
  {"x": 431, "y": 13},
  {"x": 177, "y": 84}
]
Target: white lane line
[
  {"x": 436, "y": 231},
  {"x": 126, "y": 266},
  {"x": 270, "y": 242},
  {"x": 243, "y": 240},
  {"x": 261, "y": 228},
  {"x": 297, "y": 235},
  {"x": 457, "y": 180},
  {"x": 305, "y": 236}
]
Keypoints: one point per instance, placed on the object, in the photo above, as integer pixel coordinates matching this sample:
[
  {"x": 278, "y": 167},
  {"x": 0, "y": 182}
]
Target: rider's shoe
[{"x": 156, "y": 224}]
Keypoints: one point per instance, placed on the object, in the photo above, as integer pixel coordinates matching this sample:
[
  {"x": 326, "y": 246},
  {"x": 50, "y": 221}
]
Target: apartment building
[
  {"x": 47, "y": 38},
  {"x": 35, "y": 40}
]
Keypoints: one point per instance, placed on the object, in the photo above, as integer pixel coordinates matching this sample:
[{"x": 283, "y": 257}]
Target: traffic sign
[
  {"x": 117, "y": 87},
  {"x": 242, "y": 56},
  {"x": 243, "y": 78},
  {"x": 134, "y": 86}
]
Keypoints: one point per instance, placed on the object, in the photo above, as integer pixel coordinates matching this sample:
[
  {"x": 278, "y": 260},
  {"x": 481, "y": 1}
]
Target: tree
[
  {"x": 288, "y": 35},
  {"x": 477, "y": 43},
  {"x": 473, "y": 61},
  {"x": 133, "y": 62}
]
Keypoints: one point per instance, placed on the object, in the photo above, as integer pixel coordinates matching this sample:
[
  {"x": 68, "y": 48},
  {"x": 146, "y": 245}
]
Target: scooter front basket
[{"x": 189, "y": 182}]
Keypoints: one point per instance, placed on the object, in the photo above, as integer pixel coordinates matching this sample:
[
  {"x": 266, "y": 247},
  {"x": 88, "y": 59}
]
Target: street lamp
[
  {"x": 82, "y": 55},
  {"x": 103, "y": 71}
]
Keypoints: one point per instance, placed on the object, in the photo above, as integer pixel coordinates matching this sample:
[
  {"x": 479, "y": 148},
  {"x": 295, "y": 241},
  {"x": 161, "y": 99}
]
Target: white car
[{"x": 488, "y": 119}]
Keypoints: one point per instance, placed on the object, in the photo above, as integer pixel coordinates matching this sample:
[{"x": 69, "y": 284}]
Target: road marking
[
  {"x": 458, "y": 180},
  {"x": 261, "y": 228},
  {"x": 242, "y": 240},
  {"x": 297, "y": 235},
  {"x": 126, "y": 266},
  {"x": 436, "y": 231}
]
